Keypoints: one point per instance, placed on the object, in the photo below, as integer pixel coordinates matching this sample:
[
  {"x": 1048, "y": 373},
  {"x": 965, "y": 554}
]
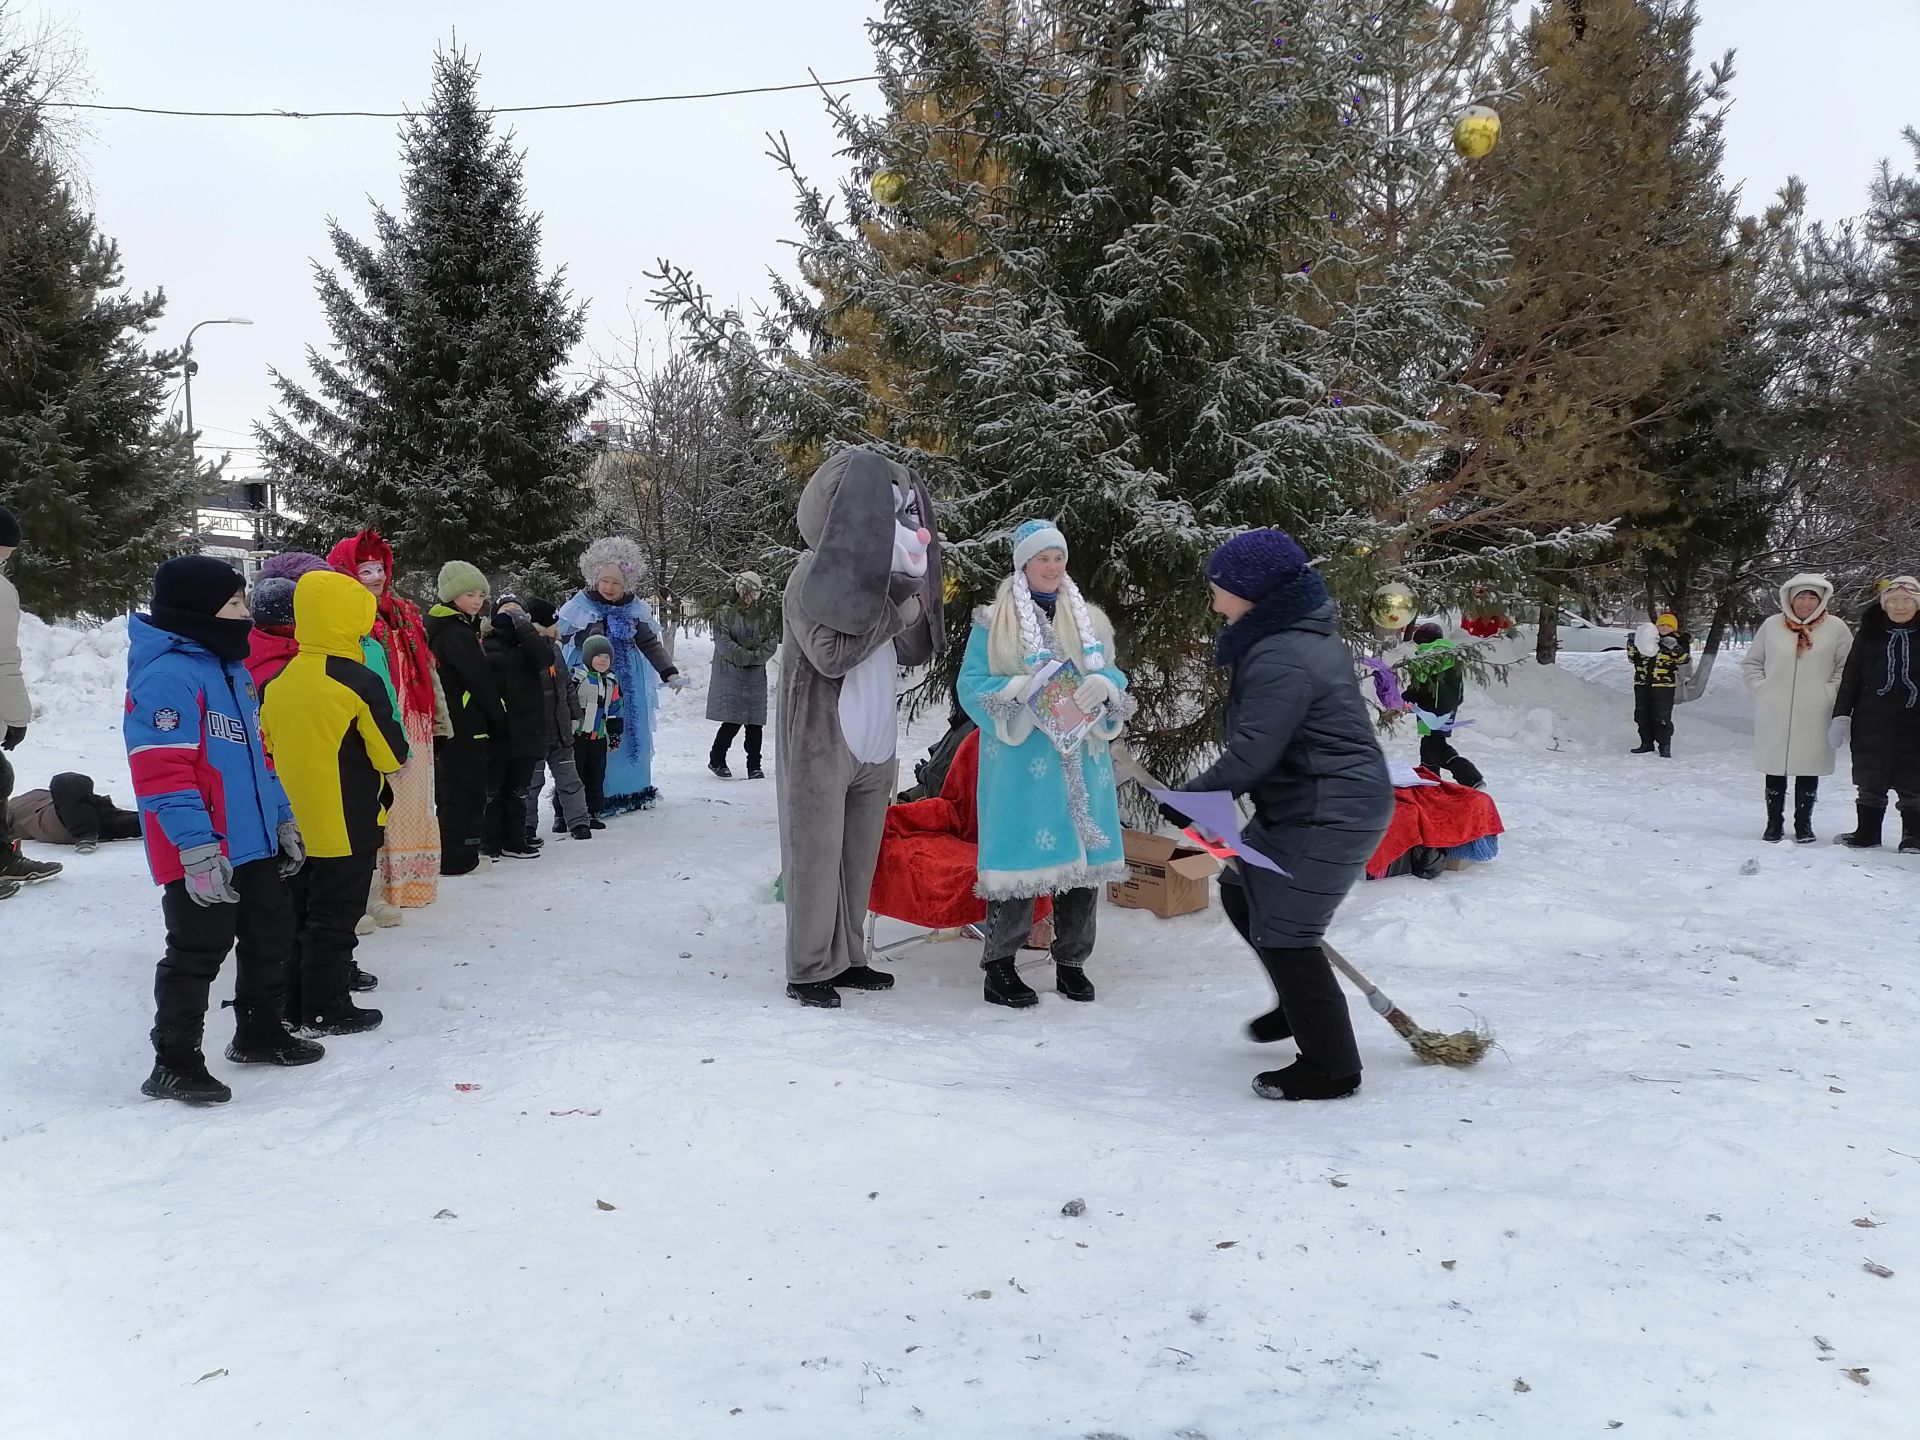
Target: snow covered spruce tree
[
  {"x": 1141, "y": 303},
  {"x": 103, "y": 482},
  {"x": 443, "y": 416}
]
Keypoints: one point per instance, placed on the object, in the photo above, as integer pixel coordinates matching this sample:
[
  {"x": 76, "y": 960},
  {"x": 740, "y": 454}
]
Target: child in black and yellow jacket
[
  {"x": 1656, "y": 682},
  {"x": 329, "y": 723}
]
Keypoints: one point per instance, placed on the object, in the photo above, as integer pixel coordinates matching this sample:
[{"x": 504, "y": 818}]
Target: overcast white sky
[{"x": 227, "y": 214}]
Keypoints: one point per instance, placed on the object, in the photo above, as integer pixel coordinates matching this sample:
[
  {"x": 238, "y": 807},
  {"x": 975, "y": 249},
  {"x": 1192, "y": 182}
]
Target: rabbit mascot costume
[{"x": 865, "y": 599}]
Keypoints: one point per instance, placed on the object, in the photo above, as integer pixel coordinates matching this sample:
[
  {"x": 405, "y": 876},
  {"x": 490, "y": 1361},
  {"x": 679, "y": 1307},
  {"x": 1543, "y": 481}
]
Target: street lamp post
[{"x": 187, "y": 367}]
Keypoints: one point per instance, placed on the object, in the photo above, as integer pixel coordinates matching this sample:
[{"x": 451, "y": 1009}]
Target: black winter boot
[
  {"x": 1806, "y": 790},
  {"x": 1666, "y": 749},
  {"x": 15, "y": 866},
  {"x": 1270, "y": 1028},
  {"x": 1072, "y": 983},
  {"x": 754, "y": 772},
  {"x": 261, "y": 1037},
  {"x": 1303, "y": 1080},
  {"x": 1909, "y": 830},
  {"x": 1005, "y": 987},
  {"x": 815, "y": 994},
  {"x": 1865, "y": 834},
  {"x": 361, "y": 981},
  {"x": 344, "y": 1018},
  {"x": 720, "y": 769},
  {"x": 862, "y": 977},
  {"x": 559, "y": 826},
  {"x": 583, "y": 832},
  {"x": 180, "y": 1073},
  {"x": 1776, "y": 830},
  {"x": 10, "y": 888}
]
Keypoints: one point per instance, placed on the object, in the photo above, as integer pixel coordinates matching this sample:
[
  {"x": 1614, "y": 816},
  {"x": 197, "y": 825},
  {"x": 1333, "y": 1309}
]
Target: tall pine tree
[
  {"x": 443, "y": 417},
  {"x": 1608, "y": 197},
  {"x": 1160, "y": 327},
  {"x": 103, "y": 482}
]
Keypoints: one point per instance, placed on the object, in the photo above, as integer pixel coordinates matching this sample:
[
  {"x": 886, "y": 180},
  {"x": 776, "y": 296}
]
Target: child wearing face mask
[{"x": 221, "y": 838}]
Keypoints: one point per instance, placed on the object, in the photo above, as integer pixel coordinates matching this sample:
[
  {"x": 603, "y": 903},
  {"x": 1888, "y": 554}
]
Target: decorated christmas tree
[{"x": 1141, "y": 304}]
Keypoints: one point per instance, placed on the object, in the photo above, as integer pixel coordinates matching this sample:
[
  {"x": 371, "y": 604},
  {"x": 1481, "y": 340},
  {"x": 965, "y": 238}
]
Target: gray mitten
[
  {"x": 902, "y": 587},
  {"x": 209, "y": 876}
]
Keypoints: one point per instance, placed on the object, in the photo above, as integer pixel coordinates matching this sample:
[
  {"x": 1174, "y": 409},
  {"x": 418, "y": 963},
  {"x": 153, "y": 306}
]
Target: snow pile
[
  {"x": 1587, "y": 701},
  {"x": 72, "y": 670}
]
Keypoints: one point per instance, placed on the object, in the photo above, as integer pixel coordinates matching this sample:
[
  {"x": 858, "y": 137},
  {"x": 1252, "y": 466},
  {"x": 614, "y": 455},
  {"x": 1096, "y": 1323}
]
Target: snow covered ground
[{"x": 669, "y": 1202}]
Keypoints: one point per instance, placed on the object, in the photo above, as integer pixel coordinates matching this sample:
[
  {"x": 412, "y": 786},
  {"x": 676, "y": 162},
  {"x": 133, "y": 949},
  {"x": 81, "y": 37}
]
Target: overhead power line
[{"x": 490, "y": 110}]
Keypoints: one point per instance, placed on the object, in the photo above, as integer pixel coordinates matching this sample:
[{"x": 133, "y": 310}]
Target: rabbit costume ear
[
  {"x": 846, "y": 516},
  {"x": 934, "y": 597}
]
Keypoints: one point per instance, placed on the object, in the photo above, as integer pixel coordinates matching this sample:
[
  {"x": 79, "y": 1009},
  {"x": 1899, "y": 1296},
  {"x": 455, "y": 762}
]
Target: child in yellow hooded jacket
[{"x": 329, "y": 724}]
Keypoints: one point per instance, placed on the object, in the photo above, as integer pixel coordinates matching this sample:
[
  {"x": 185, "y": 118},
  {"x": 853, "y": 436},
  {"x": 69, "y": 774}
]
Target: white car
[{"x": 1580, "y": 636}]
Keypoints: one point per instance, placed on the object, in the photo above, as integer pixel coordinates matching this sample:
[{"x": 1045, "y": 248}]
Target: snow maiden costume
[
  {"x": 863, "y": 600},
  {"x": 1049, "y": 821},
  {"x": 629, "y": 624}
]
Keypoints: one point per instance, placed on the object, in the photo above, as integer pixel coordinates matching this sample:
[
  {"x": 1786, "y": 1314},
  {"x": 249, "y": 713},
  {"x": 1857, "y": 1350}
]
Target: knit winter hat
[
  {"x": 458, "y": 578},
  {"x": 596, "y": 645},
  {"x": 1257, "y": 563},
  {"x": 9, "y": 527},
  {"x": 195, "y": 585},
  {"x": 1427, "y": 633},
  {"x": 1036, "y": 537},
  {"x": 272, "y": 602},
  {"x": 1667, "y": 617},
  {"x": 1903, "y": 582},
  {"x": 291, "y": 565},
  {"x": 747, "y": 580},
  {"x": 541, "y": 612}
]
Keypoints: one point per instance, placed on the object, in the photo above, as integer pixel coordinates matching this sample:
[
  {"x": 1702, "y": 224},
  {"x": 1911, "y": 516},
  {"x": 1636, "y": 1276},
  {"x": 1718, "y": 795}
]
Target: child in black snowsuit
[
  {"x": 1656, "y": 683},
  {"x": 463, "y": 761},
  {"x": 1439, "y": 689},
  {"x": 598, "y": 724}
]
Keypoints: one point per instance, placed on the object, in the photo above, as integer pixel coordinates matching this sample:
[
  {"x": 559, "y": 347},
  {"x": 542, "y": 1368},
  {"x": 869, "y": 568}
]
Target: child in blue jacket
[{"x": 220, "y": 835}]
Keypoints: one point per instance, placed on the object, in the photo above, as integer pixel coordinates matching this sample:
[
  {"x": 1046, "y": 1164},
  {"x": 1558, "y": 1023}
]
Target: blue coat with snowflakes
[{"x": 1048, "y": 822}]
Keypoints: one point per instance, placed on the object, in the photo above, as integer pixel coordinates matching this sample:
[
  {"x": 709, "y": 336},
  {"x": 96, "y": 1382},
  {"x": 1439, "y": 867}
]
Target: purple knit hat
[
  {"x": 1257, "y": 563},
  {"x": 291, "y": 565}
]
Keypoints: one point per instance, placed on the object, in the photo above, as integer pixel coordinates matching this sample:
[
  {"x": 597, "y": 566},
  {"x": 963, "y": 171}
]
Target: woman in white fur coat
[
  {"x": 1049, "y": 820},
  {"x": 1793, "y": 671}
]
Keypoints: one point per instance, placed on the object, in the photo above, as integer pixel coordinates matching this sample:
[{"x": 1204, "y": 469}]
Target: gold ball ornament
[
  {"x": 888, "y": 187},
  {"x": 1476, "y": 131},
  {"x": 1394, "y": 607}
]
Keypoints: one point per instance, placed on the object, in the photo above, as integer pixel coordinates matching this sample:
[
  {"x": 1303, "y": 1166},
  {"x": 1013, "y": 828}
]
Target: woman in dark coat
[
  {"x": 746, "y": 633},
  {"x": 1301, "y": 750},
  {"x": 1878, "y": 708}
]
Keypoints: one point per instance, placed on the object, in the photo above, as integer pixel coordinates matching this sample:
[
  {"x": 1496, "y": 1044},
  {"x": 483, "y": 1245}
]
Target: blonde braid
[
  {"x": 1092, "y": 650},
  {"x": 1035, "y": 650}
]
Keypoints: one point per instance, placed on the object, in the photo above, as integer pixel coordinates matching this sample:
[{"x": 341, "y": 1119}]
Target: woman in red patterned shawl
[{"x": 409, "y": 874}]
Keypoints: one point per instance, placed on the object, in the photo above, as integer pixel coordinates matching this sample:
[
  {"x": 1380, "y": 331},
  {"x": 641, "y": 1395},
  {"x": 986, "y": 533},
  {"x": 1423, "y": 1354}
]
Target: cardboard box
[{"x": 1164, "y": 875}]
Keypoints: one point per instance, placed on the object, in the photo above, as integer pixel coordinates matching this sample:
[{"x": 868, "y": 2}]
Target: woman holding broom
[{"x": 1300, "y": 748}]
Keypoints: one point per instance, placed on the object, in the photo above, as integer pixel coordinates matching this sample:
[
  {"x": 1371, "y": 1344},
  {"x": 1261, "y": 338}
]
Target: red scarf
[
  {"x": 398, "y": 626},
  {"x": 1803, "y": 631}
]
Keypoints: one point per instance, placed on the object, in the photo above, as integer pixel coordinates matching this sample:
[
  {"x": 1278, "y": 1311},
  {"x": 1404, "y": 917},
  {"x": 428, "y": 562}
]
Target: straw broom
[{"x": 1460, "y": 1049}]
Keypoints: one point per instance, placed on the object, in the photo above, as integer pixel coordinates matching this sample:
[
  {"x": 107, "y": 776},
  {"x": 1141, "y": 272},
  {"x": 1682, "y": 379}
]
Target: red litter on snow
[{"x": 466, "y": 1087}]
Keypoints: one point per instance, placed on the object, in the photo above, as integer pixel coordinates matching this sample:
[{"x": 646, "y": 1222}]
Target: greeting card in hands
[{"x": 1050, "y": 698}]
